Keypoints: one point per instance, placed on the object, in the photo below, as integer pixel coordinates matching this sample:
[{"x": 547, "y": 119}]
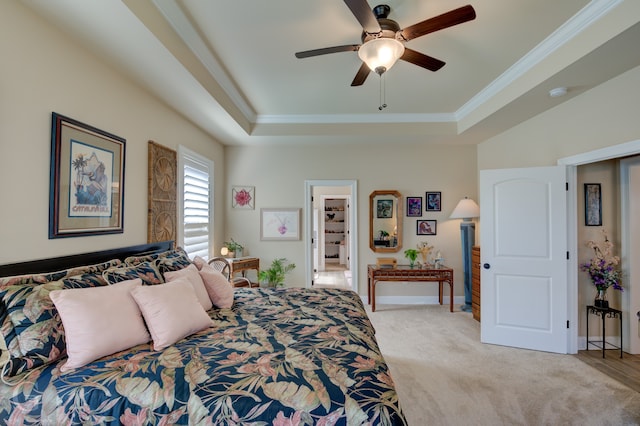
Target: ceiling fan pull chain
[{"x": 383, "y": 93}]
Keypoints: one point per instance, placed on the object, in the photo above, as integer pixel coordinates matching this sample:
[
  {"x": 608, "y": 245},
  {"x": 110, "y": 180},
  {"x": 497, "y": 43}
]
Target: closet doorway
[{"x": 332, "y": 235}]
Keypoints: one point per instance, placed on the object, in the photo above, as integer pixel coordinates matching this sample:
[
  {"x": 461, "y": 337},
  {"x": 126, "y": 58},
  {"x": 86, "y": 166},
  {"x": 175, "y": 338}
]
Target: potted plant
[
  {"x": 274, "y": 276},
  {"x": 412, "y": 255},
  {"x": 234, "y": 248}
]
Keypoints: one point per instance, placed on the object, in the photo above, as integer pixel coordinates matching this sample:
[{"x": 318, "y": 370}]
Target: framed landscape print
[
  {"x": 433, "y": 202},
  {"x": 414, "y": 206},
  {"x": 86, "y": 189}
]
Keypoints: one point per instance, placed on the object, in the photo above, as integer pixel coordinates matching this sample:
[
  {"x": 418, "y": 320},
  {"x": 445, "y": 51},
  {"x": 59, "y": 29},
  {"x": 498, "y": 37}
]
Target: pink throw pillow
[
  {"x": 172, "y": 311},
  {"x": 190, "y": 273},
  {"x": 218, "y": 287},
  {"x": 99, "y": 321},
  {"x": 199, "y": 262}
]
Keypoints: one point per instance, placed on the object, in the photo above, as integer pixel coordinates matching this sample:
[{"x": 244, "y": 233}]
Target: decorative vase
[
  {"x": 412, "y": 263},
  {"x": 601, "y": 299}
]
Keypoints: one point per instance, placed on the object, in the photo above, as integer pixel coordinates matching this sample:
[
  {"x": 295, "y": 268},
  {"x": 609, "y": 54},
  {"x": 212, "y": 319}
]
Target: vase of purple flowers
[{"x": 603, "y": 270}]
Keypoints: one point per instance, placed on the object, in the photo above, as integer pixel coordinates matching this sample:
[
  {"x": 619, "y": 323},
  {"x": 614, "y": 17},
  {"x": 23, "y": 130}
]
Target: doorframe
[
  {"x": 572, "y": 162},
  {"x": 353, "y": 228}
]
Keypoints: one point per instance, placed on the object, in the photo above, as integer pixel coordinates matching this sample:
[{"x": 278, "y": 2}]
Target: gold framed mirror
[{"x": 385, "y": 221}]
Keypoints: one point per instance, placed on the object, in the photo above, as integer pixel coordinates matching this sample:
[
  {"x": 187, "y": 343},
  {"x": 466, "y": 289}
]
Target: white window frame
[{"x": 192, "y": 158}]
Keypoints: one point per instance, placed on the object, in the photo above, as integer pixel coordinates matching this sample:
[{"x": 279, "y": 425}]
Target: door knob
[{"x": 486, "y": 266}]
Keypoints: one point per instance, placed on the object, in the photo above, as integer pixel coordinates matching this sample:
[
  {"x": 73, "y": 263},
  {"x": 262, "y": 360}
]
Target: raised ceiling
[{"x": 229, "y": 66}]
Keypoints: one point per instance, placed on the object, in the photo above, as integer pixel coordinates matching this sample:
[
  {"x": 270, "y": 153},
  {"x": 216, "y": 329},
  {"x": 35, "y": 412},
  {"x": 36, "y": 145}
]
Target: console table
[
  {"x": 406, "y": 273},
  {"x": 242, "y": 265},
  {"x": 604, "y": 313}
]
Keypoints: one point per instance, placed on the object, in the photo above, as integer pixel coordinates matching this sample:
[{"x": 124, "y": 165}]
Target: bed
[{"x": 285, "y": 356}]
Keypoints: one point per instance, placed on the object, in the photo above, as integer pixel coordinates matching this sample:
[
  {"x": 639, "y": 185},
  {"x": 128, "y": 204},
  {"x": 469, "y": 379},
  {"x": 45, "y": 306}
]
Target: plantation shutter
[{"x": 197, "y": 206}]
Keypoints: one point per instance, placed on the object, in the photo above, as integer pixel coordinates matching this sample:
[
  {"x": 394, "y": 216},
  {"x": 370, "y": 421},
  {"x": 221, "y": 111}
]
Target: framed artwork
[
  {"x": 279, "y": 224},
  {"x": 384, "y": 209},
  {"x": 426, "y": 227},
  {"x": 592, "y": 204},
  {"x": 433, "y": 202},
  {"x": 414, "y": 206},
  {"x": 86, "y": 185},
  {"x": 243, "y": 197}
]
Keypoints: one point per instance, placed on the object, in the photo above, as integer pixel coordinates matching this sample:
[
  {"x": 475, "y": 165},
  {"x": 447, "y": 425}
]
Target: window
[{"x": 195, "y": 212}]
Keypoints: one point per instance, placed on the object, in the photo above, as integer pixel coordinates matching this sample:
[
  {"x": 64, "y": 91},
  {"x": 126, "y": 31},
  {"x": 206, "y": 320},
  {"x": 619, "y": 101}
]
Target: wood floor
[{"x": 625, "y": 370}]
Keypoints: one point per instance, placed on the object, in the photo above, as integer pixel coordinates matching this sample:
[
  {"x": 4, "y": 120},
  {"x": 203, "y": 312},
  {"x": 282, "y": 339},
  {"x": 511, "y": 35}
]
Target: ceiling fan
[{"x": 383, "y": 40}]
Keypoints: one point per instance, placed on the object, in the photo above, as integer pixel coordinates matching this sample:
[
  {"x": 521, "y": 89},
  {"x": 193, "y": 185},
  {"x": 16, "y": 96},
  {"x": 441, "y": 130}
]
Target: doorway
[
  {"x": 330, "y": 226},
  {"x": 608, "y": 153}
]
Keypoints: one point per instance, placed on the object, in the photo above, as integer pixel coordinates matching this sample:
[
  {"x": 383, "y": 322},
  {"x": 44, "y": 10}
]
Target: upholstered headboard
[{"x": 75, "y": 260}]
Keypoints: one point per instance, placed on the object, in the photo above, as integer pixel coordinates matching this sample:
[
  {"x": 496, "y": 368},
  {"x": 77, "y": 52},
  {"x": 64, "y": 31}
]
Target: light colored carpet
[{"x": 445, "y": 376}]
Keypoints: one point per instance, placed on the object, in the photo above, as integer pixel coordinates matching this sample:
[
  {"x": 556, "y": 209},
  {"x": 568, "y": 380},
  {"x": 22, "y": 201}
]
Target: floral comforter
[{"x": 278, "y": 357}]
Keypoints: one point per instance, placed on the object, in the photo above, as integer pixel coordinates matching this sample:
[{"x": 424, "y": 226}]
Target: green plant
[
  {"x": 233, "y": 245},
  {"x": 412, "y": 255},
  {"x": 275, "y": 275}
]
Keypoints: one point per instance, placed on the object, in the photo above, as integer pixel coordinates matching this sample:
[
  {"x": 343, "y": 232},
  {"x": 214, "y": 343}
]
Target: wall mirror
[{"x": 385, "y": 221}]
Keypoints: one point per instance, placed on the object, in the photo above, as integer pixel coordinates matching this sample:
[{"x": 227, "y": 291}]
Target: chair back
[{"x": 221, "y": 265}]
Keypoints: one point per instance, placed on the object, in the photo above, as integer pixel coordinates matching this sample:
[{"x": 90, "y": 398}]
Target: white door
[{"x": 524, "y": 258}]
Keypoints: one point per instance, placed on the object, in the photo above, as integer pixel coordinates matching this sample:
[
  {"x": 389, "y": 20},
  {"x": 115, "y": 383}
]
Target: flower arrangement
[
  {"x": 424, "y": 249},
  {"x": 603, "y": 268}
]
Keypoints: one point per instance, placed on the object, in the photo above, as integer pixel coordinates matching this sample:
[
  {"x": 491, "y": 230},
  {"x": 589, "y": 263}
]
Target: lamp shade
[
  {"x": 224, "y": 251},
  {"x": 466, "y": 209},
  {"x": 381, "y": 53}
]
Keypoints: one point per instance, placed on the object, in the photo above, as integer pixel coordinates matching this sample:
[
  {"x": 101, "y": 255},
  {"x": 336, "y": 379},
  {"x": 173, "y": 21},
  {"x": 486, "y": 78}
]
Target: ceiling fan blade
[
  {"x": 327, "y": 50},
  {"x": 422, "y": 60},
  {"x": 361, "y": 75},
  {"x": 440, "y": 22},
  {"x": 363, "y": 13}
]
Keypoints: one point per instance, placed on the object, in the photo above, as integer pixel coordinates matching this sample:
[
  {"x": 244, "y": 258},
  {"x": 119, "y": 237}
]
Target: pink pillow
[
  {"x": 191, "y": 274},
  {"x": 99, "y": 321},
  {"x": 199, "y": 262},
  {"x": 172, "y": 311},
  {"x": 218, "y": 287}
]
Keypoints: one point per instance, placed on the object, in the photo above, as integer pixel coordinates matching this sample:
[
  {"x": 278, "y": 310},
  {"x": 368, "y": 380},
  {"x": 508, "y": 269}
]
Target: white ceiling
[{"x": 229, "y": 66}]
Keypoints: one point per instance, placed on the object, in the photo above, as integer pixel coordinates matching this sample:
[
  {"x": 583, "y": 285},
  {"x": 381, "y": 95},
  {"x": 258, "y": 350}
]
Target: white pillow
[
  {"x": 191, "y": 274},
  {"x": 172, "y": 311},
  {"x": 99, "y": 321}
]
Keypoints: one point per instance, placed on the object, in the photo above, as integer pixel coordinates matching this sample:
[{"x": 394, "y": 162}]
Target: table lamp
[{"x": 466, "y": 210}]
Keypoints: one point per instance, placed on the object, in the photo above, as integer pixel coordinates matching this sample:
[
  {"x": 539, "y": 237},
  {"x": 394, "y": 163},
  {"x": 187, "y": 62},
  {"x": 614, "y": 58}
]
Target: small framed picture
[
  {"x": 385, "y": 209},
  {"x": 414, "y": 206},
  {"x": 592, "y": 204},
  {"x": 243, "y": 197},
  {"x": 433, "y": 202},
  {"x": 426, "y": 227}
]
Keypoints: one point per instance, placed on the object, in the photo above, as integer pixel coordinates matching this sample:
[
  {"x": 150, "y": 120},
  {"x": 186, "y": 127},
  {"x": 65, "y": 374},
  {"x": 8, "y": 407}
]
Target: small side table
[{"x": 604, "y": 313}]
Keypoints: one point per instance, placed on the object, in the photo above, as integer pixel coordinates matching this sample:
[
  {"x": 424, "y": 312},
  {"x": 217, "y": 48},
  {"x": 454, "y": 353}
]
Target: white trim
[{"x": 353, "y": 228}]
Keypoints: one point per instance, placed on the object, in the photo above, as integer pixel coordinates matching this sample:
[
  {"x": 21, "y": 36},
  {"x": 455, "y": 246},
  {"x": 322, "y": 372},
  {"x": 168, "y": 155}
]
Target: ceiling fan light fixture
[{"x": 380, "y": 54}]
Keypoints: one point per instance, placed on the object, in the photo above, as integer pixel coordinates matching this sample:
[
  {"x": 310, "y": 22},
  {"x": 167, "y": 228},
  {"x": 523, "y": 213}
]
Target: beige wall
[
  {"x": 279, "y": 174},
  {"x": 604, "y": 116},
  {"x": 43, "y": 71}
]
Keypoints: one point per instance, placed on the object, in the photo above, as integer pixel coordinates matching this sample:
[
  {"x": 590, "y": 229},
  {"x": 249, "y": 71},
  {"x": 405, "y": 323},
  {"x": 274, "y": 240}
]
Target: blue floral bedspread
[{"x": 278, "y": 357}]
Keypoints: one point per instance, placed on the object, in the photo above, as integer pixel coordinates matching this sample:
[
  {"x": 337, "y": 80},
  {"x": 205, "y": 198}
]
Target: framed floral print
[
  {"x": 279, "y": 224},
  {"x": 243, "y": 197},
  {"x": 86, "y": 189},
  {"x": 433, "y": 202},
  {"x": 414, "y": 206}
]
